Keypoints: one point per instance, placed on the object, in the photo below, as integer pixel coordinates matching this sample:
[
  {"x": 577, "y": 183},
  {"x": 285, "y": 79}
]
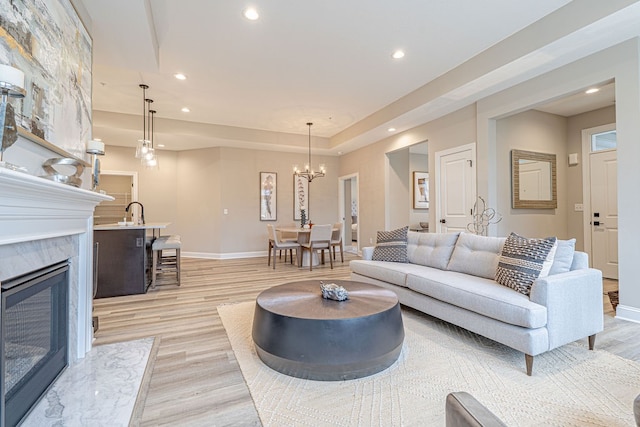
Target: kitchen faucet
[{"x": 141, "y": 210}]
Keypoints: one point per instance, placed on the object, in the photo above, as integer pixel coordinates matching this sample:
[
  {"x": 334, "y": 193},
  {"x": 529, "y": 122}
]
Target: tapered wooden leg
[
  {"x": 592, "y": 341},
  {"x": 178, "y": 265},
  {"x": 341, "y": 252},
  {"x": 274, "y": 257},
  {"x": 269, "y": 256},
  {"x": 154, "y": 268},
  {"x": 330, "y": 259},
  {"x": 529, "y": 362}
]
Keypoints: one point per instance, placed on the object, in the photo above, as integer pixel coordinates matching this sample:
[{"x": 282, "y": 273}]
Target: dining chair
[
  {"x": 319, "y": 239},
  {"x": 287, "y": 236},
  {"x": 275, "y": 244},
  {"x": 336, "y": 240}
]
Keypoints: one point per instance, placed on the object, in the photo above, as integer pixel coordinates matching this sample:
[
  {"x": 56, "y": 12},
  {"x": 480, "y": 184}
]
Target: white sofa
[{"x": 451, "y": 277}]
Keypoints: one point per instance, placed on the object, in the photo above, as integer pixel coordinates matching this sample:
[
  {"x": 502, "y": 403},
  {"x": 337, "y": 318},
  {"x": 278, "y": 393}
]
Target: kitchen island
[{"x": 123, "y": 254}]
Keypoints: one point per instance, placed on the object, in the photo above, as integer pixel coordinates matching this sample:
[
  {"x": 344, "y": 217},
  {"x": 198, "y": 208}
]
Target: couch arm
[
  {"x": 367, "y": 253},
  {"x": 574, "y": 304}
]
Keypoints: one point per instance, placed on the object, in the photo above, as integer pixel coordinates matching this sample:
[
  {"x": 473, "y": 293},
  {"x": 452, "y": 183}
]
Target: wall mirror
[{"x": 533, "y": 180}]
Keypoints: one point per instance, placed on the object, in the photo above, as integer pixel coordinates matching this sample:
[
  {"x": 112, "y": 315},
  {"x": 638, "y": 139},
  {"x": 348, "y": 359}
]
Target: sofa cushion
[
  {"x": 476, "y": 255},
  {"x": 521, "y": 261},
  {"x": 391, "y": 246},
  {"x": 480, "y": 295},
  {"x": 431, "y": 249},
  {"x": 392, "y": 272},
  {"x": 564, "y": 256}
]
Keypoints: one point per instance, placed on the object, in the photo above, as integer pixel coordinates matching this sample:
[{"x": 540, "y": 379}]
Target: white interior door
[
  {"x": 604, "y": 212},
  {"x": 455, "y": 188}
]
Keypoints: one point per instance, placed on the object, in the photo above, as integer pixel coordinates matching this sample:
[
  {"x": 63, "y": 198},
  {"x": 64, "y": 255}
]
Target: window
[{"x": 604, "y": 141}]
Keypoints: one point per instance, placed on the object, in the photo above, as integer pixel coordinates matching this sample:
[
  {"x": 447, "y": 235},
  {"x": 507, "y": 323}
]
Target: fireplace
[
  {"x": 45, "y": 223},
  {"x": 33, "y": 338}
]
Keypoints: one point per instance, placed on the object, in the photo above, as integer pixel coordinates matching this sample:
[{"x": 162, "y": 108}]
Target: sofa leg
[
  {"x": 528, "y": 359},
  {"x": 592, "y": 341}
]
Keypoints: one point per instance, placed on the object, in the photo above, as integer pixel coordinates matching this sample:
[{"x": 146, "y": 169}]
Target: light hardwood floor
[{"x": 195, "y": 380}]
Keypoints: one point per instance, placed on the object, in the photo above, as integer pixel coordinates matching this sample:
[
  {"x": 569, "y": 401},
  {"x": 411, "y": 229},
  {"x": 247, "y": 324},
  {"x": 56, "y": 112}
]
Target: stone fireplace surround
[{"x": 44, "y": 222}]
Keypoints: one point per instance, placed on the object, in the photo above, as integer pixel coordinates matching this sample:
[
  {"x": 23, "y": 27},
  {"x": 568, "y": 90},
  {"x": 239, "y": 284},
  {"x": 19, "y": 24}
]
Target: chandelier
[{"x": 309, "y": 173}]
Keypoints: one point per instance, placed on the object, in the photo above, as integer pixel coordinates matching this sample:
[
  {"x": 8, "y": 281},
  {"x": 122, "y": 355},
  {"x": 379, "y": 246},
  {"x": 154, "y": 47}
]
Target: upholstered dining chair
[
  {"x": 319, "y": 239},
  {"x": 275, "y": 244},
  {"x": 336, "y": 240},
  {"x": 287, "y": 236}
]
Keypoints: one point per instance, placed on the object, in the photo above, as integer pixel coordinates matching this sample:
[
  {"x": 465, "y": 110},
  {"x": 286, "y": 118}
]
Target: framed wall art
[
  {"x": 268, "y": 196},
  {"x": 300, "y": 196},
  {"x": 420, "y": 190},
  {"x": 47, "y": 41}
]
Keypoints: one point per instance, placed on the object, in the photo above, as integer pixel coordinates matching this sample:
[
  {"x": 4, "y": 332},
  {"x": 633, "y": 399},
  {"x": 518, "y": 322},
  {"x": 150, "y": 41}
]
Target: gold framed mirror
[{"x": 533, "y": 180}]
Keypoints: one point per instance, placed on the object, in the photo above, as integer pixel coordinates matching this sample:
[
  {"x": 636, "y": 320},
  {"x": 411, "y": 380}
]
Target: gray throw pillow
[
  {"x": 564, "y": 256},
  {"x": 391, "y": 246},
  {"x": 521, "y": 261}
]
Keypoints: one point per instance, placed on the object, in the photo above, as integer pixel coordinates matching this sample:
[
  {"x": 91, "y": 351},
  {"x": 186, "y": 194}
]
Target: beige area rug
[{"x": 570, "y": 386}]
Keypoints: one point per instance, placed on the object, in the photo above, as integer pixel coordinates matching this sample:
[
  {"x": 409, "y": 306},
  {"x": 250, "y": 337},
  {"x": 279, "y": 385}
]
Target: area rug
[{"x": 570, "y": 385}]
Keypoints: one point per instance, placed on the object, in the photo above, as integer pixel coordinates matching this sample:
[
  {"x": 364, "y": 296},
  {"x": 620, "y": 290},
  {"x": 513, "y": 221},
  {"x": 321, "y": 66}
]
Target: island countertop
[{"x": 147, "y": 226}]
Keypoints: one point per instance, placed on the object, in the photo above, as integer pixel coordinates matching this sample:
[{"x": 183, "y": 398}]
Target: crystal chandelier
[{"x": 309, "y": 173}]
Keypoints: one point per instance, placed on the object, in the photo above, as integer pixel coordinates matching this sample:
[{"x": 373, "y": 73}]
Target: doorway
[
  {"x": 600, "y": 185},
  {"x": 349, "y": 212},
  {"x": 123, "y": 187},
  {"x": 455, "y": 188}
]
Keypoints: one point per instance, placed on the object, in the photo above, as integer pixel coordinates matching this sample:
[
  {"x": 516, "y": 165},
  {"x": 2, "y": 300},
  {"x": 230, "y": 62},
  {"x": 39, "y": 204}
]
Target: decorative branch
[{"x": 483, "y": 217}]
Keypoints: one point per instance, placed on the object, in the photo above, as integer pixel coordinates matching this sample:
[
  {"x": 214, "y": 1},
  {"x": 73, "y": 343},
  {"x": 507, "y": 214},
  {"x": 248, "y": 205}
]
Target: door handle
[
  {"x": 597, "y": 223},
  {"x": 443, "y": 221}
]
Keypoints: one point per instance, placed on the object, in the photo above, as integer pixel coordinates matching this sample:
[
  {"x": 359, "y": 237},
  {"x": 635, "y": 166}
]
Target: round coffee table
[{"x": 299, "y": 333}]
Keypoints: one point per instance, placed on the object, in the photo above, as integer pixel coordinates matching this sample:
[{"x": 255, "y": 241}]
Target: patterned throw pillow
[
  {"x": 391, "y": 246},
  {"x": 521, "y": 261}
]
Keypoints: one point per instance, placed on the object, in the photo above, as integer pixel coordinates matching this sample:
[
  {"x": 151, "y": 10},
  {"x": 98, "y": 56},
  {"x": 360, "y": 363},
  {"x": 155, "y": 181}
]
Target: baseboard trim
[
  {"x": 230, "y": 255},
  {"x": 626, "y": 312}
]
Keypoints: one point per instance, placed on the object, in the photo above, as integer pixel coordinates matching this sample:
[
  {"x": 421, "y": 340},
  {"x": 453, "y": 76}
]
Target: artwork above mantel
[{"x": 48, "y": 42}]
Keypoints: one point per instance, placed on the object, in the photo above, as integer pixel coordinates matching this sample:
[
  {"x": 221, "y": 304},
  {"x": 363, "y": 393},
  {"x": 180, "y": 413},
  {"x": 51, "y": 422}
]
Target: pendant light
[
  {"x": 143, "y": 145},
  {"x": 151, "y": 160},
  {"x": 309, "y": 173}
]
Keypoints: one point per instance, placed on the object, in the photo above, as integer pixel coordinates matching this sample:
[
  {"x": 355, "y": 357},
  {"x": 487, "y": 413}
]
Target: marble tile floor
[{"x": 100, "y": 390}]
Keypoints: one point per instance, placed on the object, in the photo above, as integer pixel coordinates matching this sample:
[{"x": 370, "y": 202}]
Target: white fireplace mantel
[{"x": 37, "y": 210}]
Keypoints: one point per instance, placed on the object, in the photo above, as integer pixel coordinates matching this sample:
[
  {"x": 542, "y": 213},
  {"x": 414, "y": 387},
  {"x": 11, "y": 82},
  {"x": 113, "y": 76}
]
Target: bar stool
[{"x": 165, "y": 262}]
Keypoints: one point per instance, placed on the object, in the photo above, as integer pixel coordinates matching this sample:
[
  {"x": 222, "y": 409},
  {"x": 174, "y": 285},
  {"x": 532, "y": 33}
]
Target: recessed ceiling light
[
  {"x": 592, "y": 90},
  {"x": 251, "y": 13},
  {"x": 185, "y": 110},
  {"x": 180, "y": 76},
  {"x": 398, "y": 54},
  {"x": 391, "y": 129}
]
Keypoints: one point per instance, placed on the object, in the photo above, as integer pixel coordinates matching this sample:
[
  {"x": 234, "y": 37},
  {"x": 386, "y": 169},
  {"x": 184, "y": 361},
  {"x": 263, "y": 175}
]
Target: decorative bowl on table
[{"x": 424, "y": 225}]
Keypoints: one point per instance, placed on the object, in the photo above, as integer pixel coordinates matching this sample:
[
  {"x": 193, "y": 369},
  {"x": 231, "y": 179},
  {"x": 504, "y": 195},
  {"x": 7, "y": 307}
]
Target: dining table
[{"x": 304, "y": 234}]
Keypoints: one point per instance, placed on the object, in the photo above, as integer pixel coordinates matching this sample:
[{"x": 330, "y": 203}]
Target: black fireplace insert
[{"x": 33, "y": 338}]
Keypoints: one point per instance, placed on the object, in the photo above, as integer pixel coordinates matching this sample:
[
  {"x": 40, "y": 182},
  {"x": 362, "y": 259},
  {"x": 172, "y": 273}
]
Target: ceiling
[{"x": 256, "y": 83}]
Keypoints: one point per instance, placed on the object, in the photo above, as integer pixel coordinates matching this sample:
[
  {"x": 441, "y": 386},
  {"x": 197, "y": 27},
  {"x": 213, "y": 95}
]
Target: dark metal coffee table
[{"x": 299, "y": 333}]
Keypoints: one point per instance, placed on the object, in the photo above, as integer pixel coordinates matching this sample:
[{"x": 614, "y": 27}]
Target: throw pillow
[
  {"x": 548, "y": 262},
  {"x": 564, "y": 256},
  {"x": 391, "y": 246},
  {"x": 521, "y": 261}
]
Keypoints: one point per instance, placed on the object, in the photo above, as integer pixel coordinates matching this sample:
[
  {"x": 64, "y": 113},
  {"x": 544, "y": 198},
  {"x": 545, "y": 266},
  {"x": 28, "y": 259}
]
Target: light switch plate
[{"x": 578, "y": 207}]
